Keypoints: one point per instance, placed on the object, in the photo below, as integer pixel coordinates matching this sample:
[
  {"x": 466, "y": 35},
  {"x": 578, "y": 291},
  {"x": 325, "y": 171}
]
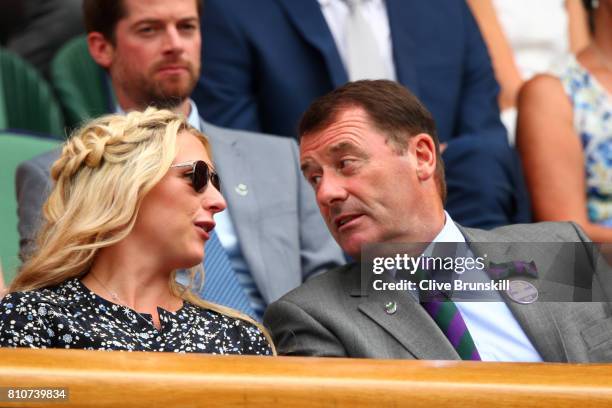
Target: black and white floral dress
[{"x": 71, "y": 316}]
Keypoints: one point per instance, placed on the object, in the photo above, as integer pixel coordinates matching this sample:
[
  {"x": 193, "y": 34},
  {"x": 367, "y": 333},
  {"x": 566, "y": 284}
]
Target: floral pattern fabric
[
  {"x": 592, "y": 105},
  {"x": 71, "y": 316}
]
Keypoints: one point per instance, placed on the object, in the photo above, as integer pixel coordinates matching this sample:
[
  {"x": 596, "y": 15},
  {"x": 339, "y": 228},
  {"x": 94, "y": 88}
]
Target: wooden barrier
[{"x": 121, "y": 379}]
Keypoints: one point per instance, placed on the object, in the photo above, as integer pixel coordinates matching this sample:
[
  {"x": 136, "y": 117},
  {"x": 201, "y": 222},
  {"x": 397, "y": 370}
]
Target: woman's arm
[
  {"x": 578, "y": 25},
  {"x": 502, "y": 56},
  {"x": 552, "y": 156}
]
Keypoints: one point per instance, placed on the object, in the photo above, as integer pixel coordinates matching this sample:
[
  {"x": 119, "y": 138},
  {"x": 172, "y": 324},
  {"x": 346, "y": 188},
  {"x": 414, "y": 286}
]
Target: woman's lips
[{"x": 204, "y": 228}]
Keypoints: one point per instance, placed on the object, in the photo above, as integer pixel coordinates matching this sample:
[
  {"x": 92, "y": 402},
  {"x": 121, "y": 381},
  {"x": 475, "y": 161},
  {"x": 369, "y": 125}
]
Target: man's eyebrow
[
  {"x": 345, "y": 147},
  {"x": 307, "y": 165},
  {"x": 146, "y": 21},
  {"x": 151, "y": 20}
]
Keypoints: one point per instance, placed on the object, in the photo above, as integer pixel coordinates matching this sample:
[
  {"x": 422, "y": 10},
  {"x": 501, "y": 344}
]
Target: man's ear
[
  {"x": 425, "y": 153},
  {"x": 101, "y": 50}
]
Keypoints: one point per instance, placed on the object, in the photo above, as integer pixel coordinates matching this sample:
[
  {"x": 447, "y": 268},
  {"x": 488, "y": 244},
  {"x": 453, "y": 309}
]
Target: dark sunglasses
[{"x": 200, "y": 174}]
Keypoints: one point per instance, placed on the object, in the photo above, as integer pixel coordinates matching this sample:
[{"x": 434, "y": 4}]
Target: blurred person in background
[
  {"x": 565, "y": 135},
  {"x": 37, "y": 29},
  {"x": 525, "y": 38}
]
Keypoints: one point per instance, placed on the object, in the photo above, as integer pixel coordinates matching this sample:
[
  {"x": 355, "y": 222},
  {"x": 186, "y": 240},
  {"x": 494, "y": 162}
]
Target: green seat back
[
  {"x": 80, "y": 83},
  {"x": 26, "y": 101},
  {"x": 14, "y": 148},
  {"x": 3, "y": 118}
]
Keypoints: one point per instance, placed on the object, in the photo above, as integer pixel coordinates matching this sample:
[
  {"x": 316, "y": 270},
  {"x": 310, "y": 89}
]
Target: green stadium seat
[
  {"x": 26, "y": 100},
  {"x": 14, "y": 148},
  {"x": 80, "y": 83}
]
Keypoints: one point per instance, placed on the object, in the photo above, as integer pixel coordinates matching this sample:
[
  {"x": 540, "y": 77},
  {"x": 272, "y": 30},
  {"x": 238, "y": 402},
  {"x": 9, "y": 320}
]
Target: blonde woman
[{"x": 133, "y": 202}]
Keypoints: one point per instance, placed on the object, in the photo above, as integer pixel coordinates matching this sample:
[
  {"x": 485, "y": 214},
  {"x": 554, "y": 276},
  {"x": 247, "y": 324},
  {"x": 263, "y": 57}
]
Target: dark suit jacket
[
  {"x": 332, "y": 315},
  {"x": 264, "y": 61},
  {"x": 280, "y": 230}
]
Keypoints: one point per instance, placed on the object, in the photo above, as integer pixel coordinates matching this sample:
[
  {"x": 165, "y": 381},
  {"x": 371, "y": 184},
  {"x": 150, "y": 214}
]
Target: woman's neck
[{"x": 127, "y": 281}]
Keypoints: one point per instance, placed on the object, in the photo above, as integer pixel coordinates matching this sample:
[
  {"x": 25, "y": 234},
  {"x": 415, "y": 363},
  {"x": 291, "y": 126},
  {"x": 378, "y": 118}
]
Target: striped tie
[
  {"x": 448, "y": 318},
  {"x": 221, "y": 284},
  {"x": 444, "y": 311}
]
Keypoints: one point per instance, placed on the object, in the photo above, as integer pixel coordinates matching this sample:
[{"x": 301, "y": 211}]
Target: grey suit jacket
[
  {"x": 332, "y": 315},
  {"x": 281, "y": 233}
]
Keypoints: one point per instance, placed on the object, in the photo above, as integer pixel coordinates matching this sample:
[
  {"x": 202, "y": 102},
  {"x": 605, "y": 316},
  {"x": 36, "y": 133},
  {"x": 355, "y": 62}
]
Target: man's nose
[
  {"x": 331, "y": 189},
  {"x": 173, "y": 40}
]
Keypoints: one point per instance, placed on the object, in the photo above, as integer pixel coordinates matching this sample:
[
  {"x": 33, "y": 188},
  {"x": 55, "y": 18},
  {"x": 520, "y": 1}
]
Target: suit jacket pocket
[{"x": 598, "y": 339}]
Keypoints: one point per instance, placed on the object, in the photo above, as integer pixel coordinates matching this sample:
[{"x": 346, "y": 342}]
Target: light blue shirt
[{"x": 493, "y": 327}]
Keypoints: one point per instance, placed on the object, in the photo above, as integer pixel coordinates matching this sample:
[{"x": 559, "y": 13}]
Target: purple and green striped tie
[{"x": 449, "y": 319}]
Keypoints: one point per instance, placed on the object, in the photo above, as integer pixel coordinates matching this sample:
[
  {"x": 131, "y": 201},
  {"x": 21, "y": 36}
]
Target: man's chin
[
  {"x": 168, "y": 100},
  {"x": 353, "y": 247}
]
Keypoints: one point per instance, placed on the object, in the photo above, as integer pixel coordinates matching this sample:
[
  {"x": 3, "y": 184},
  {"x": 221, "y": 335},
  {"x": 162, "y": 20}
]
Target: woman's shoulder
[
  {"x": 26, "y": 317},
  {"x": 543, "y": 92},
  {"x": 236, "y": 335},
  {"x": 27, "y": 299},
  {"x": 51, "y": 296}
]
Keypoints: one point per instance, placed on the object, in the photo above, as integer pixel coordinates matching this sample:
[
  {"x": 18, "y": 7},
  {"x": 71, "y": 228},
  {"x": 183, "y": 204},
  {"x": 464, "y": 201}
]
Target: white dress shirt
[{"x": 493, "y": 327}]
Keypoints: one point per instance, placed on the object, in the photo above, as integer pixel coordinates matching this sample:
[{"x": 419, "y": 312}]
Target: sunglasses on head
[{"x": 200, "y": 174}]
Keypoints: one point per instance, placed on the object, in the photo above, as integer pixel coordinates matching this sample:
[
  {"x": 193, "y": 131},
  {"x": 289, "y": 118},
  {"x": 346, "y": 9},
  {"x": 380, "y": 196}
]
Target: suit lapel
[
  {"x": 232, "y": 165},
  {"x": 536, "y": 319},
  {"x": 307, "y": 18},
  {"x": 425, "y": 342},
  {"x": 404, "y": 49}
]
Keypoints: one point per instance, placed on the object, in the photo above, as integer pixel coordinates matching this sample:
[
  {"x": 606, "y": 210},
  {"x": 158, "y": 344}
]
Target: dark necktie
[
  {"x": 446, "y": 314},
  {"x": 449, "y": 320}
]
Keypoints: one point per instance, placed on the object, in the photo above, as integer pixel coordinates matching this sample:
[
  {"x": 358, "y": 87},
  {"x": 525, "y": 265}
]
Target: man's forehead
[{"x": 143, "y": 10}]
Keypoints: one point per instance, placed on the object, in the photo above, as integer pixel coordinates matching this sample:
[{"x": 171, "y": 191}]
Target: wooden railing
[{"x": 120, "y": 379}]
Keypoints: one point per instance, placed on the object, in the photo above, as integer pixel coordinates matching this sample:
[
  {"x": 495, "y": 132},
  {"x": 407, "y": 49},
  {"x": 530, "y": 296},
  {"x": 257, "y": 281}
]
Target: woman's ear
[
  {"x": 425, "y": 153},
  {"x": 101, "y": 50}
]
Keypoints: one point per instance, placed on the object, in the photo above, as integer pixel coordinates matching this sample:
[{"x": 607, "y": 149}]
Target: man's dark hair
[
  {"x": 392, "y": 109},
  {"x": 103, "y": 15}
]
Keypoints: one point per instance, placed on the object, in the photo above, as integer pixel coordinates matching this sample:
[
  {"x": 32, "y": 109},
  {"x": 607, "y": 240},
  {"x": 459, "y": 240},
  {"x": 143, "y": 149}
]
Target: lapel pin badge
[
  {"x": 522, "y": 292},
  {"x": 390, "y": 308},
  {"x": 242, "y": 189}
]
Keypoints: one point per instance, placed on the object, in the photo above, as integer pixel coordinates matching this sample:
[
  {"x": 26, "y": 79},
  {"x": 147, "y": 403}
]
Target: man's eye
[
  {"x": 345, "y": 163},
  {"x": 314, "y": 180},
  {"x": 188, "y": 27},
  {"x": 146, "y": 30}
]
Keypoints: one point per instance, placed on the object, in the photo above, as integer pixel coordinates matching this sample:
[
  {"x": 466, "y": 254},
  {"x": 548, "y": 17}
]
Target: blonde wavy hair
[{"x": 105, "y": 170}]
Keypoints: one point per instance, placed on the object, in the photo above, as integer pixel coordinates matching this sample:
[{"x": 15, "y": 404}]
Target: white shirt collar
[{"x": 450, "y": 232}]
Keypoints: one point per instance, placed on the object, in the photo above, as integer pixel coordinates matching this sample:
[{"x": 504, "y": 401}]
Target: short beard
[
  {"x": 168, "y": 102},
  {"x": 154, "y": 95},
  {"x": 147, "y": 94}
]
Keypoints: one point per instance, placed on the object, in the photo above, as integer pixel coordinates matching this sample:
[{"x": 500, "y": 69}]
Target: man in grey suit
[
  {"x": 370, "y": 151},
  {"x": 272, "y": 232}
]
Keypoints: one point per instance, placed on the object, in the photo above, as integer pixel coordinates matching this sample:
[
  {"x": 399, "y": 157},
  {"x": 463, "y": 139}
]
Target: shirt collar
[{"x": 450, "y": 232}]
